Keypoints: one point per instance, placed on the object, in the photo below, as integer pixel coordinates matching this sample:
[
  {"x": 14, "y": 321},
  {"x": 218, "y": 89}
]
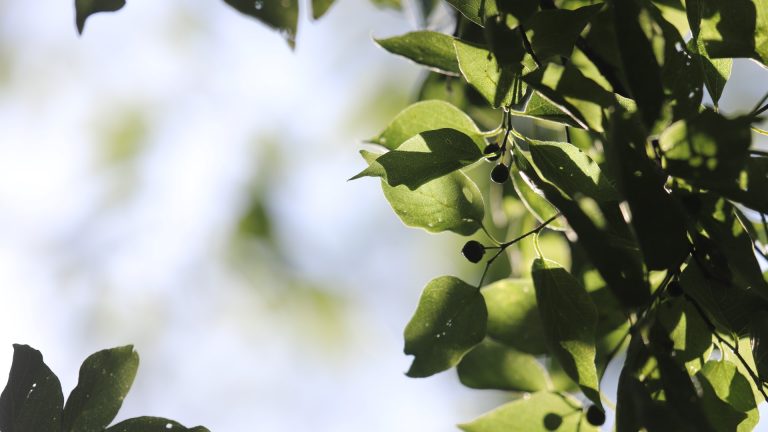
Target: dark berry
[
  {"x": 552, "y": 421},
  {"x": 595, "y": 416},
  {"x": 674, "y": 289},
  {"x": 473, "y": 251},
  {"x": 491, "y": 152},
  {"x": 500, "y": 173}
]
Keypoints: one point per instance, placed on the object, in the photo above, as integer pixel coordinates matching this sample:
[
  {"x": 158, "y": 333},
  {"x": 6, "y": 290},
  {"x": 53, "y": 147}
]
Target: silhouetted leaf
[
  {"x": 553, "y": 33},
  {"x": 427, "y": 48},
  {"x": 32, "y": 398},
  {"x": 658, "y": 220},
  {"x": 690, "y": 335},
  {"x": 86, "y": 8},
  {"x": 152, "y": 424},
  {"x": 105, "y": 379},
  {"x": 643, "y": 74},
  {"x": 737, "y": 28},
  {"x": 759, "y": 330},
  {"x": 569, "y": 318},
  {"x": 449, "y": 321},
  {"x": 708, "y": 149},
  {"x": 491, "y": 365},
  {"x": 281, "y": 15}
]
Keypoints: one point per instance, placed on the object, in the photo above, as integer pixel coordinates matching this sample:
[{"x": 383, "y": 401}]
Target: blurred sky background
[{"x": 176, "y": 179}]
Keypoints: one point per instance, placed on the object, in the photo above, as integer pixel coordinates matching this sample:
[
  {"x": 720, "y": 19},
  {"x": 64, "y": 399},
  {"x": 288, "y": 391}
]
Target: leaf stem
[
  {"x": 503, "y": 246},
  {"x": 761, "y": 132},
  {"x": 733, "y": 347}
]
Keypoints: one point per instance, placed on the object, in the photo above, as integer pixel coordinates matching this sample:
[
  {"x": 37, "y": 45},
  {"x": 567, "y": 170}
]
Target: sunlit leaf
[
  {"x": 426, "y": 156},
  {"x": 534, "y": 201},
  {"x": 449, "y": 203},
  {"x": 513, "y": 317},
  {"x": 571, "y": 170},
  {"x": 476, "y": 10},
  {"x": 449, "y": 321},
  {"x": 425, "y": 116},
  {"x": 539, "y": 412},
  {"x": 500, "y": 86},
  {"x": 320, "y": 7},
  {"x": 491, "y": 365},
  {"x": 737, "y": 28},
  {"x": 569, "y": 319},
  {"x": 427, "y": 48},
  {"x": 32, "y": 398},
  {"x": 105, "y": 379},
  {"x": 733, "y": 389},
  {"x": 86, "y": 8},
  {"x": 690, "y": 335},
  {"x": 572, "y": 92}
]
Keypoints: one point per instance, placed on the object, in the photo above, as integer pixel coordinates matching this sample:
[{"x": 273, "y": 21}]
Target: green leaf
[
  {"x": 575, "y": 94},
  {"x": 428, "y": 48},
  {"x": 476, "y": 10},
  {"x": 281, "y": 15},
  {"x": 32, "y": 398},
  {"x": 658, "y": 219},
  {"x": 708, "y": 149},
  {"x": 737, "y": 28},
  {"x": 553, "y": 33},
  {"x": 728, "y": 307},
  {"x": 571, "y": 170},
  {"x": 320, "y": 7},
  {"x": 541, "y": 108},
  {"x": 426, "y": 156},
  {"x": 539, "y": 412},
  {"x": 513, "y": 317},
  {"x": 86, "y": 8},
  {"x": 449, "y": 321},
  {"x": 716, "y": 72},
  {"x": 392, "y": 4},
  {"x": 152, "y": 424},
  {"x": 500, "y": 86},
  {"x": 491, "y": 365},
  {"x": 604, "y": 236},
  {"x": 569, "y": 318},
  {"x": 105, "y": 379},
  {"x": 449, "y": 203},
  {"x": 748, "y": 187},
  {"x": 534, "y": 201},
  {"x": 759, "y": 327},
  {"x": 425, "y": 116},
  {"x": 634, "y": 28},
  {"x": 690, "y": 335},
  {"x": 732, "y": 388},
  {"x": 727, "y": 230}
]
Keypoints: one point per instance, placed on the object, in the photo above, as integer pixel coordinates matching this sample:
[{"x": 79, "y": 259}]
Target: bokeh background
[{"x": 176, "y": 179}]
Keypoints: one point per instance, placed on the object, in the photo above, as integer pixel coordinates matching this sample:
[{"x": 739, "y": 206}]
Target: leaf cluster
[{"x": 32, "y": 400}]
